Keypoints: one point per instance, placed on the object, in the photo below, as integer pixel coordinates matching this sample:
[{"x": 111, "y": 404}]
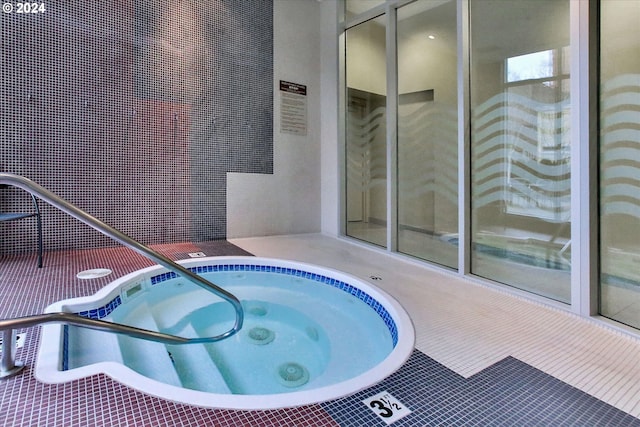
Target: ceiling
[{"x": 500, "y": 28}]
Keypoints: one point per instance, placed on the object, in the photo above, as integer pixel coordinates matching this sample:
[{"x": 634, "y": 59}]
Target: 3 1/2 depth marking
[{"x": 387, "y": 407}]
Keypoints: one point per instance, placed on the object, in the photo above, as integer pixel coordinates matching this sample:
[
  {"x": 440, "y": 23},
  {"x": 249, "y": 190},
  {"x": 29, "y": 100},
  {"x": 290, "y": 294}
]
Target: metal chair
[{"x": 15, "y": 216}]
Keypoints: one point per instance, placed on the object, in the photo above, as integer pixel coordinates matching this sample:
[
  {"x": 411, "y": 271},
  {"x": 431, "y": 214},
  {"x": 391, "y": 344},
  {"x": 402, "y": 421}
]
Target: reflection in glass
[
  {"x": 356, "y": 7},
  {"x": 427, "y": 131},
  {"x": 620, "y": 161},
  {"x": 536, "y": 65},
  {"x": 366, "y": 152},
  {"x": 520, "y": 144}
]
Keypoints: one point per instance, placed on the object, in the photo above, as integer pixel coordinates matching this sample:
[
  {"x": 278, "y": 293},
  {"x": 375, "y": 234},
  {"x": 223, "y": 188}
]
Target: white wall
[{"x": 287, "y": 202}]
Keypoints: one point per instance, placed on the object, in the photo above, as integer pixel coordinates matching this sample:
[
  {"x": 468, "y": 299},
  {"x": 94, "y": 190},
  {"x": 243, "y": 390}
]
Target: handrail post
[{"x": 8, "y": 364}]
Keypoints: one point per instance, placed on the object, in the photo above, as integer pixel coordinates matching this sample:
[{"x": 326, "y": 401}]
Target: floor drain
[
  {"x": 261, "y": 336},
  {"x": 292, "y": 374},
  {"x": 197, "y": 254},
  {"x": 94, "y": 273}
]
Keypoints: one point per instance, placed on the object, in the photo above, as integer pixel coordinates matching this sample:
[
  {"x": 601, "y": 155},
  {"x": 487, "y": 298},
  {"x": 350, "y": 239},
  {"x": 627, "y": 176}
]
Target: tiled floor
[
  {"x": 483, "y": 357},
  {"x": 468, "y": 327},
  {"x": 508, "y": 393}
]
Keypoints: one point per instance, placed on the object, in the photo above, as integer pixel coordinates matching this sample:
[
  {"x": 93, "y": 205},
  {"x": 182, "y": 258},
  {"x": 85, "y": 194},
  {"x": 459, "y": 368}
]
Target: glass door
[
  {"x": 520, "y": 145},
  {"x": 620, "y": 161},
  {"x": 428, "y": 131},
  {"x": 366, "y": 136}
]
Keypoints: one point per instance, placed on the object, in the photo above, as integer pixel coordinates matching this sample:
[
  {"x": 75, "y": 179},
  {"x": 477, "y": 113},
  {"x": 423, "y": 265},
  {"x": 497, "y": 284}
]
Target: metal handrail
[
  {"x": 54, "y": 200},
  {"x": 98, "y": 325}
]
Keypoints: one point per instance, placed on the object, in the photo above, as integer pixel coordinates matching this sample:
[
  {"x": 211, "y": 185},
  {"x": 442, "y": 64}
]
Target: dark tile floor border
[{"x": 508, "y": 393}]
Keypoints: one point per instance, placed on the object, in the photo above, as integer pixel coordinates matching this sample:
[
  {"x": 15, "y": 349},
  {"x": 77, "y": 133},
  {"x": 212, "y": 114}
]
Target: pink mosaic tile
[{"x": 98, "y": 400}]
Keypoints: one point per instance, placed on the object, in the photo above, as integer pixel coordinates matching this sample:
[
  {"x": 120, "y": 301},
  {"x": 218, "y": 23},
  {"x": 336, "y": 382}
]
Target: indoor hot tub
[{"x": 310, "y": 334}]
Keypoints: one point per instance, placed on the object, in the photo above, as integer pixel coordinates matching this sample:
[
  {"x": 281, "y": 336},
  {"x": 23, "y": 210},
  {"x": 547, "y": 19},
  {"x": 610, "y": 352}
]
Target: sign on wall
[{"x": 293, "y": 108}]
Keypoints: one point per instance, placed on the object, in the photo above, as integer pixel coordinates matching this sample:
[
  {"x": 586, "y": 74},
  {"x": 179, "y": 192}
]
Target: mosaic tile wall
[{"x": 134, "y": 111}]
